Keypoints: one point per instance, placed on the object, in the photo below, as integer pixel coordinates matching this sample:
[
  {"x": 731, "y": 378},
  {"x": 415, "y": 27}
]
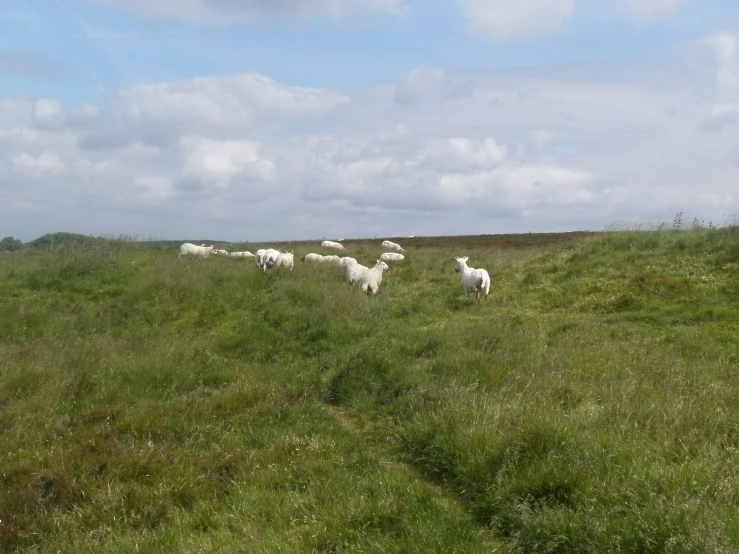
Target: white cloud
[
  {"x": 502, "y": 20},
  {"x": 646, "y": 10},
  {"x": 437, "y": 152},
  {"x": 223, "y": 12}
]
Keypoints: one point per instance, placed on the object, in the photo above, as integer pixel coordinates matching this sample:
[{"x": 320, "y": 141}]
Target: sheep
[
  {"x": 473, "y": 279},
  {"x": 189, "y": 249},
  {"x": 259, "y": 257},
  {"x": 221, "y": 252},
  {"x": 331, "y": 244},
  {"x": 284, "y": 259},
  {"x": 392, "y": 245},
  {"x": 313, "y": 258},
  {"x": 270, "y": 257},
  {"x": 370, "y": 282},
  {"x": 354, "y": 272},
  {"x": 244, "y": 254},
  {"x": 391, "y": 256},
  {"x": 330, "y": 259},
  {"x": 344, "y": 263}
]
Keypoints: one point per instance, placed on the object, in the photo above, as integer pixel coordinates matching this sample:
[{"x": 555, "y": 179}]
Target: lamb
[
  {"x": 392, "y": 245},
  {"x": 370, "y": 282},
  {"x": 221, "y": 252},
  {"x": 244, "y": 254},
  {"x": 284, "y": 259},
  {"x": 473, "y": 279},
  {"x": 189, "y": 249},
  {"x": 331, "y": 244},
  {"x": 391, "y": 256},
  {"x": 312, "y": 258},
  {"x": 330, "y": 259},
  {"x": 354, "y": 272}
]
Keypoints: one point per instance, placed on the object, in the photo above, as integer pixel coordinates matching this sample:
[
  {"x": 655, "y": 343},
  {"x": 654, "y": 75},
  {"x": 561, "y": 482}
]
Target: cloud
[
  {"x": 646, "y": 10},
  {"x": 436, "y": 152},
  {"x": 503, "y": 20},
  {"x": 29, "y": 65},
  {"x": 224, "y": 12}
]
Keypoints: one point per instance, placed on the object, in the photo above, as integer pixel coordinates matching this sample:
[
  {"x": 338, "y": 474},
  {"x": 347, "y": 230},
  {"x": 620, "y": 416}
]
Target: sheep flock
[{"x": 367, "y": 278}]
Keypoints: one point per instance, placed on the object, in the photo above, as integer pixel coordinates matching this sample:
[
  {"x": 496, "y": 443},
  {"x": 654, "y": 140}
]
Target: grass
[{"x": 155, "y": 404}]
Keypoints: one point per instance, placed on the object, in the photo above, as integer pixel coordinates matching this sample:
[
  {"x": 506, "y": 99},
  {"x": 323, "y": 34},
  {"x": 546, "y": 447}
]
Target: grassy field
[{"x": 150, "y": 404}]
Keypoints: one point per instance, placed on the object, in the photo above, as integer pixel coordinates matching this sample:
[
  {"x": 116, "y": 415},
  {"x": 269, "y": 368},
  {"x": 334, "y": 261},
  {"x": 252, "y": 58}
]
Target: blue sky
[{"x": 171, "y": 118}]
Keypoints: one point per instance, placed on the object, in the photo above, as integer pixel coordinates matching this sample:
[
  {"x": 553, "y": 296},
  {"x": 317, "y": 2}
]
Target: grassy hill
[{"x": 591, "y": 405}]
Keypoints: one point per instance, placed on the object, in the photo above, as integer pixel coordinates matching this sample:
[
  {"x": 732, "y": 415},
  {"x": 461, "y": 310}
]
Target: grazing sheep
[
  {"x": 354, "y": 272},
  {"x": 391, "y": 245},
  {"x": 473, "y": 279},
  {"x": 391, "y": 256},
  {"x": 189, "y": 249},
  {"x": 259, "y": 257},
  {"x": 313, "y": 258},
  {"x": 331, "y": 244},
  {"x": 244, "y": 254},
  {"x": 221, "y": 252},
  {"x": 284, "y": 259},
  {"x": 343, "y": 264},
  {"x": 330, "y": 259},
  {"x": 370, "y": 282},
  {"x": 270, "y": 257}
]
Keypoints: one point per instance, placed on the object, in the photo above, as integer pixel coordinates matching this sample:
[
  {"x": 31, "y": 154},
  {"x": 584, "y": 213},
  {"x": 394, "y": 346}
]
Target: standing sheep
[
  {"x": 259, "y": 257},
  {"x": 270, "y": 257},
  {"x": 284, "y": 259},
  {"x": 354, "y": 272},
  {"x": 473, "y": 279},
  {"x": 370, "y": 282}
]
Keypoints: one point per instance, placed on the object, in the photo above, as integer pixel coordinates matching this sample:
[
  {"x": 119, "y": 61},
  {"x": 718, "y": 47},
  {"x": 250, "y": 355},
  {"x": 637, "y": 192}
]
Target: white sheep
[
  {"x": 370, "y": 282},
  {"x": 354, "y": 272},
  {"x": 244, "y": 254},
  {"x": 391, "y": 245},
  {"x": 259, "y": 257},
  {"x": 221, "y": 252},
  {"x": 473, "y": 279},
  {"x": 391, "y": 257},
  {"x": 345, "y": 262},
  {"x": 189, "y": 249},
  {"x": 331, "y": 244},
  {"x": 310, "y": 258},
  {"x": 270, "y": 257},
  {"x": 330, "y": 259},
  {"x": 284, "y": 259}
]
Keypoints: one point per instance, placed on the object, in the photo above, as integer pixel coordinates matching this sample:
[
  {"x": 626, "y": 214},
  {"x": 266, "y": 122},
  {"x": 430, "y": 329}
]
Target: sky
[{"x": 275, "y": 120}]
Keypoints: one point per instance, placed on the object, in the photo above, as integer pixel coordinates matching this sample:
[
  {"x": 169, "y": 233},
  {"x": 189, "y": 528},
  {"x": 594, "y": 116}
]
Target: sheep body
[
  {"x": 331, "y": 244},
  {"x": 244, "y": 254},
  {"x": 391, "y": 256},
  {"x": 189, "y": 249},
  {"x": 309, "y": 258},
  {"x": 391, "y": 245},
  {"x": 476, "y": 280},
  {"x": 354, "y": 272},
  {"x": 284, "y": 259}
]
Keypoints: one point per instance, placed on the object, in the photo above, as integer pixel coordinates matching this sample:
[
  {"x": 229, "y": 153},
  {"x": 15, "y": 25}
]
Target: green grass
[{"x": 591, "y": 405}]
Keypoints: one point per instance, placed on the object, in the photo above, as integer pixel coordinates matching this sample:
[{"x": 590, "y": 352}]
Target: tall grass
[{"x": 197, "y": 405}]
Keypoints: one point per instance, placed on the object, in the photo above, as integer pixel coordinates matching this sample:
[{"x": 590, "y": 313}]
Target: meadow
[{"x": 150, "y": 404}]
